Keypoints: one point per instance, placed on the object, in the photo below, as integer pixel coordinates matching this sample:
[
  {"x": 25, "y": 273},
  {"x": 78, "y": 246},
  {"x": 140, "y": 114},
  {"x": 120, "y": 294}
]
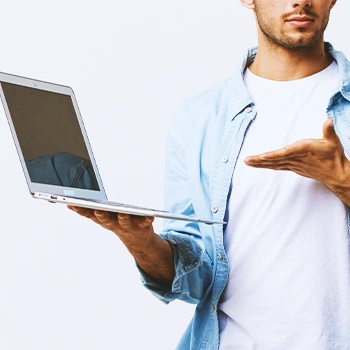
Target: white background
[{"x": 66, "y": 283}]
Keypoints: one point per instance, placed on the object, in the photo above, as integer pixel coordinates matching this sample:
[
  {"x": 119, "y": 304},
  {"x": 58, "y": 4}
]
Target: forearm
[{"x": 154, "y": 255}]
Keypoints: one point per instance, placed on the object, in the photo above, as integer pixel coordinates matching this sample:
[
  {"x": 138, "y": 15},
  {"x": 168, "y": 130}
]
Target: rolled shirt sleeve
[{"x": 193, "y": 265}]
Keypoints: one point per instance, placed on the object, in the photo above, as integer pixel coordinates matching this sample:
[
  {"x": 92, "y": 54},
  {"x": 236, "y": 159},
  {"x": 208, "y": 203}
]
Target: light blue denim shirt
[{"x": 203, "y": 144}]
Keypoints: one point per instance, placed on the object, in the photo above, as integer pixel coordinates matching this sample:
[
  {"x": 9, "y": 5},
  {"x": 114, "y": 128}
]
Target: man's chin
[{"x": 299, "y": 41}]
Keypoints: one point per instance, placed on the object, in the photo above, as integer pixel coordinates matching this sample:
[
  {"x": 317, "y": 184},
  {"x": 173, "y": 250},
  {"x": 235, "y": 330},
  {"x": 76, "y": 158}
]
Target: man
[{"x": 278, "y": 275}]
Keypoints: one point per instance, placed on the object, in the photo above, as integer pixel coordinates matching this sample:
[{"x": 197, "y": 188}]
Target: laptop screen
[{"x": 50, "y": 137}]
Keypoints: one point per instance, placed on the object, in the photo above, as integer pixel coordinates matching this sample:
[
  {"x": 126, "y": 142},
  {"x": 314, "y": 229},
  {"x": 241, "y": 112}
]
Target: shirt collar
[
  {"x": 240, "y": 97},
  {"x": 344, "y": 70}
]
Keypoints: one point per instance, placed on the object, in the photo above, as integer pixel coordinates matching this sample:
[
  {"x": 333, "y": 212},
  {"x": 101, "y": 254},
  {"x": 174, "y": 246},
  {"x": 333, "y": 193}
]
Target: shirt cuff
[{"x": 187, "y": 258}]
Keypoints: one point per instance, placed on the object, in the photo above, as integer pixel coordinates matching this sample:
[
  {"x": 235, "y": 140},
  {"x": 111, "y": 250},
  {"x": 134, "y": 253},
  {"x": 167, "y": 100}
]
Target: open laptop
[{"x": 54, "y": 149}]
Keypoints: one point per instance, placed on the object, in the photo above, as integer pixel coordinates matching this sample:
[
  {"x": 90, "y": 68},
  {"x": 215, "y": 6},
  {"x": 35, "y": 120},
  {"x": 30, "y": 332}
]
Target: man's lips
[{"x": 299, "y": 21}]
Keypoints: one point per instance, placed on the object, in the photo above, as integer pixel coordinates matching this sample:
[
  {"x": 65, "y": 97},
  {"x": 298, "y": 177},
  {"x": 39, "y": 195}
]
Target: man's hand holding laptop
[{"x": 152, "y": 253}]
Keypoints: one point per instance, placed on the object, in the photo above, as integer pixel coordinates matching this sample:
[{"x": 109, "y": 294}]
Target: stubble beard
[{"x": 279, "y": 38}]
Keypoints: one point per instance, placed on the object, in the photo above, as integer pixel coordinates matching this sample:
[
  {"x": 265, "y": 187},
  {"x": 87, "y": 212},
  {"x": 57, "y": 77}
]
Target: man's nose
[{"x": 301, "y": 3}]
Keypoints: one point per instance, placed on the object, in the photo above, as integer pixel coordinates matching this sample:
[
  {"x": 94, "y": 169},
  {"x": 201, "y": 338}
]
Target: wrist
[{"x": 340, "y": 186}]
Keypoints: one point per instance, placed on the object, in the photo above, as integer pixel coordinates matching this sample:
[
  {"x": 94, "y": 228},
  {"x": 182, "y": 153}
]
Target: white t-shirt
[{"x": 287, "y": 239}]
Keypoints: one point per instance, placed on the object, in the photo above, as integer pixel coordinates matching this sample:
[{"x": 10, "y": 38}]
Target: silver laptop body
[{"x": 54, "y": 149}]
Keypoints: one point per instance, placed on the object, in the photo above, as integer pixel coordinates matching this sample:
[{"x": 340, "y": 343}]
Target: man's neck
[{"x": 277, "y": 63}]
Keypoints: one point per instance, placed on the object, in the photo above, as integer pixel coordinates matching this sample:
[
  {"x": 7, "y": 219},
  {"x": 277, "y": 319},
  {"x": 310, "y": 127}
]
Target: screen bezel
[{"x": 60, "y": 89}]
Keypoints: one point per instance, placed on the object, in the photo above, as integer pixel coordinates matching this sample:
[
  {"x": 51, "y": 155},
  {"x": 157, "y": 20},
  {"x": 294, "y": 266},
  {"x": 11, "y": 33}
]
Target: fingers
[
  {"x": 271, "y": 165},
  {"x": 329, "y": 132},
  {"x": 284, "y": 153},
  {"x": 82, "y": 211},
  {"x": 297, "y": 149},
  {"x": 292, "y": 153},
  {"x": 122, "y": 224},
  {"x": 107, "y": 219},
  {"x": 87, "y": 213},
  {"x": 122, "y": 219},
  {"x": 126, "y": 220},
  {"x": 113, "y": 220}
]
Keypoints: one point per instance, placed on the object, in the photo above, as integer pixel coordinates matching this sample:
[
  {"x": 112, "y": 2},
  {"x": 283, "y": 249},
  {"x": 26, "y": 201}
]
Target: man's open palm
[{"x": 320, "y": 159}]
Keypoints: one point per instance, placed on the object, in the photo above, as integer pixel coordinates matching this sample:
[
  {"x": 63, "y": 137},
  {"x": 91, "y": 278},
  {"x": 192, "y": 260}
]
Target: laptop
[{"x": 54, "y": 149}]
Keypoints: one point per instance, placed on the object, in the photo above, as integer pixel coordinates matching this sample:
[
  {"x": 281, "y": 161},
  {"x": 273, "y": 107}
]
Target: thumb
[{"x": 328, "y": 130}]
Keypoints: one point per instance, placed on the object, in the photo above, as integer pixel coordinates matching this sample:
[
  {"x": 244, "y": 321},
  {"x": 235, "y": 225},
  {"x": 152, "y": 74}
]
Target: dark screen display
[{"x": 50, "y": 137}]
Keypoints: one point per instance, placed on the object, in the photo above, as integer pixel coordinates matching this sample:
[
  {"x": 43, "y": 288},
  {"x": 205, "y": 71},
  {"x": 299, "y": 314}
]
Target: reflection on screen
[{"x": 50, "y": 137}]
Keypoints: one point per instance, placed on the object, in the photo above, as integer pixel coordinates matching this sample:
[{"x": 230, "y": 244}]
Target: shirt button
[
  {"x": 199, "y": 263},
  {"x": 224, "y": 159},
  {"x": 213, "y": 308},
  {"x": 248, "y": 109},
  {"x": 221, "y": 257},
  {"x": 214, "y": 208}
]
